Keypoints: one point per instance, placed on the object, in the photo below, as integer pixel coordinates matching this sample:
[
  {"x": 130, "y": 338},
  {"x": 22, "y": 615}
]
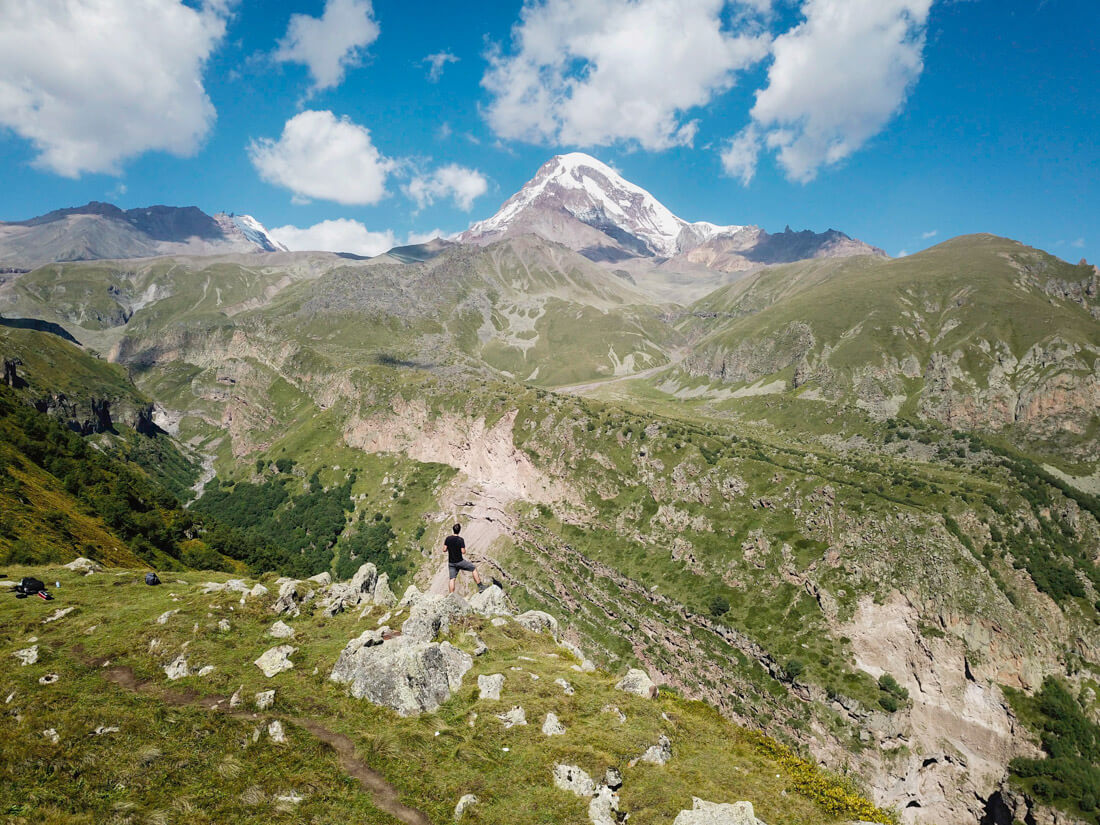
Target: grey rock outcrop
[
  {"x": 404, "y": 674},
  {"x": 84, "y": 566},
  {"x": 516, "y": 716},
  {"x": 177, "y": 669},
  {"x": 27, "y": 656},
  {"x": 433, "y": 615},
  {"x": 382, "y": 594},
  {"x": 490, "y": 685},
  {"x": 658, "y": 754},
  {"x": 265, "y": 699},
  {"x": 638, "y": 682},
  {"x": 604, "y": 807},
  {"x": 536, "y": 621},
  {"x": 281, "y": 630},
  {"x": 291, "y": 594},
  {"x": 573, "y": 779},
  {"x": 276, "y": 660},
  {"x": 490, "y": 602},
  {"x": 358, "y": 589},
  {"x": 348, "y": 663},
  {"x": 717, "y": 813},
  {"x": 410, "y": 597},
  {"x": 465, "y": 802},
  {"x": 552, "y": 726}
]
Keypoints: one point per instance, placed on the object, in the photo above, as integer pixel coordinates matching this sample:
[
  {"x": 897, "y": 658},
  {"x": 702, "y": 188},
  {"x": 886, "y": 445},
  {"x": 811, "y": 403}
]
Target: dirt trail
[
  {"x": 383, "y": 794},
  {"x": 674, "y": 358}
]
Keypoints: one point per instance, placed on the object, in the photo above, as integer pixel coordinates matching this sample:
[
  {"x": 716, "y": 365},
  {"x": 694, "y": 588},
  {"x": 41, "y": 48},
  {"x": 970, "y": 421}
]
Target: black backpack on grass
[{"x": 28, "y": 586}]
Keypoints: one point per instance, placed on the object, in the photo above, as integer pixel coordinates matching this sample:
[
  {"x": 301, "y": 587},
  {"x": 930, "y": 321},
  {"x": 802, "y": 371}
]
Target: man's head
[{"x": 457, "y": 528}]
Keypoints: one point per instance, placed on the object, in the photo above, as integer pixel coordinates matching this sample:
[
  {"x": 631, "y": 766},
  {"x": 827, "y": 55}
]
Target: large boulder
[
  {"x": 353, "y": 592},
  {"x": 84, "y": 566},
  {"x": 292, "y": 594},
  {"x": 717, "y": 813},
  {"x": 490, "y": 602},
  {"x": 382, "y": 594},
  {"x": 490, "y": 686},
  {"x": 404, "y": 674},
  {"x": 638, "y": 682},
  {"x": 410, "y": 597},
  {"x": 432, "y": 615},
  {"x": 348, "y": 663},
  {"x": 537, "y": 621}
]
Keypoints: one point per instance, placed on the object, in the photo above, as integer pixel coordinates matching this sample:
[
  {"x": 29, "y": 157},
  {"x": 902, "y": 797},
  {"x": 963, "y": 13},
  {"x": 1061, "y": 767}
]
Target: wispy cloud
[
  {"x": 931, "y": 233},
  {"x": 436, "y": 63},
  {"x": 1078, "y": 244}
]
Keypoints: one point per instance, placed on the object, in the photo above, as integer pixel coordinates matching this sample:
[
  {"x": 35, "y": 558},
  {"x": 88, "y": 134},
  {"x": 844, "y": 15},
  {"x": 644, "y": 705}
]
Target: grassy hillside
[{"x": 165, "y": 749}]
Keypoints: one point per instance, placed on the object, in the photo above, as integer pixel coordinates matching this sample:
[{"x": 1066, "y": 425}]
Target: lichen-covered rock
[
  {"x": 552, "y": 726},
  {"x": 276, "y": 732},
  {"x": 291, "y": 595},
  {"x": 275, "y": 660},
  {"x": 490, "y": 602},
  {"x": 322, "y": 579},
  {"x": 257, "y": 591},
  {"x": 537, "y": 621},
  {"x": 411, "y": 596},
  {"x": 27, "y": 656},
  {"x": 432, "y": 615},
  {"x": 516, "y": 716},
  {"x": 382, "y": 594},
  {"x": 404, "y": 674},
  {"x": 566, "y": 688},
  {"x": 613, "y": 778},
  {"x": 280, "y": 630},
  {"x": 604, "y": 807},
  {"x": 265, "y": 699},
  {"x": 717, "y": 813},
  {"x": 177, "y": 669},
  {"x": 660, "y": 753},
  {"x": 585, "y": 665},
  {"x": 353, "y": 592},
  {"x": 490, "y": 685},
  {"x": 638, "y": 682},
  {"x": 465, "y": 802},
  {"x": 573, "y": 779}
]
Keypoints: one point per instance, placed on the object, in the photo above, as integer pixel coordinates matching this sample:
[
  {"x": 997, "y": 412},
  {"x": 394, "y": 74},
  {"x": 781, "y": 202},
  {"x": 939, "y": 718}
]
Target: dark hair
[{"x": 457, "y": 528}]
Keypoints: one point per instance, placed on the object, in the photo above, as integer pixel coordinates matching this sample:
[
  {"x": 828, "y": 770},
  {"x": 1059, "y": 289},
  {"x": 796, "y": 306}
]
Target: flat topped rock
[
  {"x": 280, "y": 630},
  {"x": 537, "y": 621},
  {"x": 573, "y": 779},
  {"x": 276, "y": 660},
  {"x": 717, "y": 813},
  {"x": 432, "y": 615},
  {"x": 490, "y": 685}
]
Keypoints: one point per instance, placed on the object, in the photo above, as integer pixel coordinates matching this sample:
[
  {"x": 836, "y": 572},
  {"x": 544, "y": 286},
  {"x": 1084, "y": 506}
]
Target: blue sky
[{"x": 900, "y": 122}]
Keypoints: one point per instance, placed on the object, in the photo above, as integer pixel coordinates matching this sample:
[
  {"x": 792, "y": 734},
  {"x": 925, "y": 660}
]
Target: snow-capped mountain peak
[
  {"x": 597, "y": 195},
  {"x": 250, "y": 229}
]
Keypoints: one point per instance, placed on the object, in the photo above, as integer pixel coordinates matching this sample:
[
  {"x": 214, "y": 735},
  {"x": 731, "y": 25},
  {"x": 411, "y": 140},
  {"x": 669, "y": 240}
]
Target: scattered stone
[
  {"x": 48, "y": 679},
  {"x": 223, "y": 625},
  {"x": 60, "y": 613},
  {"x": 499, "y": 621},
  {"x": 102, "y": 729},
  {"x": 165, "y": 616},
  {"x": 50, "y": 733},
  {"x": 613, "y": 709},
  {"x": 323, "y": 579},
  {"x": 537, "y": 621},
  {"x": 205, "y": 670},
  {"x": 432, "y": 615},
  {"x": 534, "y": 677},
  {"x": 613, "y": 778},
  {"x": 658, "y": 754},
  {"x": 490, "y": 686},
  {"x": 382, "y": 594},
  {"x": 275, "y": 731},
  {"x": 573, "y": 779},
  {"x": 289, "y": 800},
  {"x": 276, "y": 660},
  {"x": 516, "y": 716},
  {"x": 91, "y": 630},
  {"x": 177, "y": 669},
  {"x": 265, "y": 699},
  {"x": 235, "y": 699},
  {"x": 638, "y": 682},
  {"x": 154, "y": 645},
  {"x": 553, "y": 726},
  {"x": 211, "y": 587},
  {"x": 351, "y": 593},
  {"x": 480, "y": 648},
  {"x": 585, "y": 665},
  {"x": 465, "y": 802},
  {"x": 411, "y": 597},
  {"x": 490, "y": 602},
  {"x": 290, "y": 597},
  {"x": 385, "y": 618},
  {"x": 717, "y": 813},
  {"x": 27, "y": 656},
  {"x": 258, "y": 590},
  {"x": 404, "y": 674},
  {"x": 280, "y": 630},
  {"x": 604, "y": 807},
  {"x": 10, "y": 697},
  {"x": 84, "y": 566},
  {"x": 566, "y": 688},
  {"x": 238, "y": 586}
]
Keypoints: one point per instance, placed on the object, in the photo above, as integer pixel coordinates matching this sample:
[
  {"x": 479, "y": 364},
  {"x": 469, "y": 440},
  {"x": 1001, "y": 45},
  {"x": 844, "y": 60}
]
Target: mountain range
[{"x": 847, "y": 500}]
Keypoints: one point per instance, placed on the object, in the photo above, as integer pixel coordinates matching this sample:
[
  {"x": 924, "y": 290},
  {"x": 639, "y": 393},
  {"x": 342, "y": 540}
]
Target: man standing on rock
[{"x": 456, "y": 549}]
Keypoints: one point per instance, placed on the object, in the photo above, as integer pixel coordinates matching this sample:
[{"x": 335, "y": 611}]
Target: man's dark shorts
[{"x": 462, "y": 565}]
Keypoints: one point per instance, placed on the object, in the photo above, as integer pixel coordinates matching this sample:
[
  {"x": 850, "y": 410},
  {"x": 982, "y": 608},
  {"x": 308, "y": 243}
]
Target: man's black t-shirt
[{"x": 454, "y": 545}]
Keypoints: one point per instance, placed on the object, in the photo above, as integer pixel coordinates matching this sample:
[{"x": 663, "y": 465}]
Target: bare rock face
[
  {"x": 432, "y": 615},
  {"x": 490, "y": 686},
  {"x": 276, "y": 660},
  {"x": 536, "y": 621},
  {"x": 638, "y": 682},
  {"x": 410, "y": 597},
  {"x": 573, "y": 779},
  {"x": 404, "y": 674},
  {"x": 717, "y": 813},
  {"x": 490, "y": 602}
]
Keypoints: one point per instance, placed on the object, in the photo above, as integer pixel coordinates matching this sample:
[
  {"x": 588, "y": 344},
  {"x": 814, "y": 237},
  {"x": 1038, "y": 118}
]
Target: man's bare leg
[{"x": 451, "y": 585}]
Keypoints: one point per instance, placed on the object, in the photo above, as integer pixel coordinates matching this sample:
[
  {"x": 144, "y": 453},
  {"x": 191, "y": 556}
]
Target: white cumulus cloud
[
  {"x": 91, "y": 83},
  {"x": 459, "y": 183},
  {"x": 594, "y": 72},
  {"x": 436, "y": 62},
  {"x": 325, "y": 157},
  {"x": 931, "y": 233},
  {"x": 330, "y": 44},
  {"x": 836, "y": 80},
  {"x": 339, "y": 235}
]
